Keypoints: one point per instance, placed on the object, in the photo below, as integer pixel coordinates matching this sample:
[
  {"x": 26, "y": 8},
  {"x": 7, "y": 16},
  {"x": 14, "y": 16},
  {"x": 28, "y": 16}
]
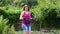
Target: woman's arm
[
  {"x": 21, "y": 16},
  {"x": 30, "y": 16}
]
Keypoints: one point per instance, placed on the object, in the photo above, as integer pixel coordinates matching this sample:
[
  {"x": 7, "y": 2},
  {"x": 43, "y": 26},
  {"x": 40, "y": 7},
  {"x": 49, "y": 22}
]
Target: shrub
[{"x": 3, "y": 25}]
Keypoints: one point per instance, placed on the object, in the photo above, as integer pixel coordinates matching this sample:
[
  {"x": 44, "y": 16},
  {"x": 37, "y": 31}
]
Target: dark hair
[{"x": 26, "y": 6}]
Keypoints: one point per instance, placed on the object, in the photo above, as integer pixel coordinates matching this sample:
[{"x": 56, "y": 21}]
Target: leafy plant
[{"x": 3, "y": 25}]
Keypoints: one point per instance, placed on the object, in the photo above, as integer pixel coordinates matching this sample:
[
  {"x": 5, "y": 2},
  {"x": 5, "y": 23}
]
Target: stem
[{"x": 26, "y": 1}]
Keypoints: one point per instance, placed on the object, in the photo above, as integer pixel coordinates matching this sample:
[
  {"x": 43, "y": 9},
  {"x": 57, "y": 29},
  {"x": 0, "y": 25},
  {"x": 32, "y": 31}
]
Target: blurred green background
[{"x": 46, "y": 12}]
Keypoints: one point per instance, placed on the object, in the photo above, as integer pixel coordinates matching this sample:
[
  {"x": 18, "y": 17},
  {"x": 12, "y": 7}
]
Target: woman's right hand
[{"x": 21, "y": 18}]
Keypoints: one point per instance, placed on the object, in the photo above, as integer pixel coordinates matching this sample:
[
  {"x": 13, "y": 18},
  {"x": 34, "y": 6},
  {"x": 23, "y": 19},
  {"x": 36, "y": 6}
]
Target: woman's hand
[
  {"x": 30, "y": 18},
  {"x": 21, "y": 18},
  {"x": 32, "y": 24}
]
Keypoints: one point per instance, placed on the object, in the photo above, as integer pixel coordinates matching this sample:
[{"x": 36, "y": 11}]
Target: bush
[
  {"x": 13, "y": 14},
  {"x": 4, "y": 28},
  {"x": 11, "y": 30},
  {"x": 3, "y": 25}
]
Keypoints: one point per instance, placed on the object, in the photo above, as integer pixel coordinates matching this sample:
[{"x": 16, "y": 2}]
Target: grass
[
  {"x": 32, "y": 32},
  {"x": 39, "y": 32}
]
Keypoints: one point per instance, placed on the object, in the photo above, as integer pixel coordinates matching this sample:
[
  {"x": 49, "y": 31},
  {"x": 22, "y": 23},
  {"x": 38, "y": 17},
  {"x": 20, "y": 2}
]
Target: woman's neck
[{"x": 26, "y": 11}]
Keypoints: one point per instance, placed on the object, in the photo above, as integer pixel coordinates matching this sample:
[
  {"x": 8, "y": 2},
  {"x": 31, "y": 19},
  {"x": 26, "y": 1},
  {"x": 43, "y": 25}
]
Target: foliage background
[{"x": 46, "y": 12}]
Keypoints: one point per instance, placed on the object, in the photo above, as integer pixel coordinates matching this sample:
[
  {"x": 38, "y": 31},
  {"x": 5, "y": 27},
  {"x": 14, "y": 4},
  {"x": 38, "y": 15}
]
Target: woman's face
[{"x": 26, "y": 8}]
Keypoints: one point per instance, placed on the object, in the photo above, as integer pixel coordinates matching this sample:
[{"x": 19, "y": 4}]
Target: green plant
[
  {"x": 3, "y": 25},
  {"x": 11, "y": 30}
]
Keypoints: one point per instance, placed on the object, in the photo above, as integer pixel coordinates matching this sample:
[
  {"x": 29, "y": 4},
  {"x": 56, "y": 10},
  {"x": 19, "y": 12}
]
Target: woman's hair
[{"x": 26, "y": 6}]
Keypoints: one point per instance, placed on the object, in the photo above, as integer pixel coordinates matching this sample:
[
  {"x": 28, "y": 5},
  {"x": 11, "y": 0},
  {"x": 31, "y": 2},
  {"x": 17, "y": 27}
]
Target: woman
[{"x": 26, "y": 14}]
